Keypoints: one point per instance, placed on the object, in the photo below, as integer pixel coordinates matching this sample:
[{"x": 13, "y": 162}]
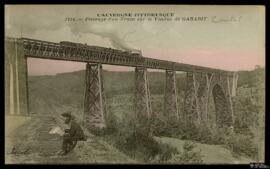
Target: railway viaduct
[{"x": 201, "y": 82}]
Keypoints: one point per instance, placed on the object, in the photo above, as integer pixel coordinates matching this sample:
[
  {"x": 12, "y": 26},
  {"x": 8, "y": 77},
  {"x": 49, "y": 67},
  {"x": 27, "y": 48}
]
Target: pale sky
[{"x": 230, "y": 38}]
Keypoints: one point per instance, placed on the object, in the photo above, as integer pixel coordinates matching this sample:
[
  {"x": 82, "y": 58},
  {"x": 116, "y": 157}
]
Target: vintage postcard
[{"x": 134, "y": 84}]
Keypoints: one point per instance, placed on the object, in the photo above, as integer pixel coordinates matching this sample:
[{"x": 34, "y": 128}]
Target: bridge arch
[{"x": 223, "y": 113}]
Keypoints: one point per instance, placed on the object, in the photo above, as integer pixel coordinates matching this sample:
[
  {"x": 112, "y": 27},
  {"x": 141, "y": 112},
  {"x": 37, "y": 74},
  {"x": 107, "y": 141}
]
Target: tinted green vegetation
[{"x": 55, "y": 94}]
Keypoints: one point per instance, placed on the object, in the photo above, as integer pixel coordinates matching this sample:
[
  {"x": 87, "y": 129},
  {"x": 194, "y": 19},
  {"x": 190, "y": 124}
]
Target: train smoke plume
[{"x": 104, "y": 31}]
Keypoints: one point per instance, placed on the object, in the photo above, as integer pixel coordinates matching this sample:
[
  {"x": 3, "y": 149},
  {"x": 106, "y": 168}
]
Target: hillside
[
  {"x": 49, "y": 96},
  {"x": 54, "y": 94}
]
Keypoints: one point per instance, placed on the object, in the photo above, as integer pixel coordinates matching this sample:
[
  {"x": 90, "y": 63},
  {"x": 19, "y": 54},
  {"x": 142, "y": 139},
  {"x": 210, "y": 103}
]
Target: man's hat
[{"x": 66, "y": 114}]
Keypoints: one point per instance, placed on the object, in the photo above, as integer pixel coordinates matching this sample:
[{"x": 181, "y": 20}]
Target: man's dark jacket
[{"x": 76, "y": 132}]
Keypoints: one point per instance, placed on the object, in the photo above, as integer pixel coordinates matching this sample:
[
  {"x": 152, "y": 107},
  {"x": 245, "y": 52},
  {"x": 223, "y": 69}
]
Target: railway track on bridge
[{"x": 86, "y": 53}]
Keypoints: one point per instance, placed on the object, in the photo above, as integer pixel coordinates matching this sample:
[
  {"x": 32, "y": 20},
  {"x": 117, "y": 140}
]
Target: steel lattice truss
[
  {"x": 171, "y": 108},
  {"x": 143, "y": 108},
  {"x": 94, "y": 106},
  {"x": 191, "y": 103},
  {"x": 94, "y": 54}
]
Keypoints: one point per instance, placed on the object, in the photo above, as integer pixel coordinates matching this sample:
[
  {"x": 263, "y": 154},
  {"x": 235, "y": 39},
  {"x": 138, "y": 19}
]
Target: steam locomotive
[{"x": 67, "y": 44}]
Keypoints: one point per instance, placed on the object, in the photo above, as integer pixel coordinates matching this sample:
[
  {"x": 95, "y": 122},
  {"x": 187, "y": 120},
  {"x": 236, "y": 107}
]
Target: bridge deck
[{"x": 95, "y": 54}]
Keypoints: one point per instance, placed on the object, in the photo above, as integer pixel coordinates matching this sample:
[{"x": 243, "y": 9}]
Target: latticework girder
[
  {"x": 171, "y": 109},
  {"x": 95, "y": 54},
  {"x": 143, "y": 108},
  {"x": 94, "y": 106}
]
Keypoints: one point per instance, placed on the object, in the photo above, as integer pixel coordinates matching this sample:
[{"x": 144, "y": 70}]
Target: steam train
[{"x": 67, "y": 44}]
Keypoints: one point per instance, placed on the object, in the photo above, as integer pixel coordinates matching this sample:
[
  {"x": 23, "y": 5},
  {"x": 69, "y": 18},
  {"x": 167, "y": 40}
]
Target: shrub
[
  {"x": 144, "y": 147},
  {"x": 97, "y": 131},
  {"x": 188, "y": 131},
  {"x": 137, "y": 142},
  {"x": 158, "y": 126},
  {"x": 112, "y": 123},
  {"x": 204, "y": 134},
  {"x": 166, "y": 152},
  {"x": 164, "y": 127},
  {"x": 242, "y": 145},
  {"x": 188, "y": 156},
  {"x": 218, "y": 136}
]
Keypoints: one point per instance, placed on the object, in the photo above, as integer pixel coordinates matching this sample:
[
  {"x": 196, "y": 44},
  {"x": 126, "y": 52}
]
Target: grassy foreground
[{"x": 30, "y": 143}]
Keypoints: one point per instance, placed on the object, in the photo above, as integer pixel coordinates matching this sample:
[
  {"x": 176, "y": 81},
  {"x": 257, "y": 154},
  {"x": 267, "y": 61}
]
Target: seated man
[{"x": 71, "y": 135}]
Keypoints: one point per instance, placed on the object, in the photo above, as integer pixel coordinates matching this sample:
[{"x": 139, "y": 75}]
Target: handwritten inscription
[{"x": 216, "y": 19}]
